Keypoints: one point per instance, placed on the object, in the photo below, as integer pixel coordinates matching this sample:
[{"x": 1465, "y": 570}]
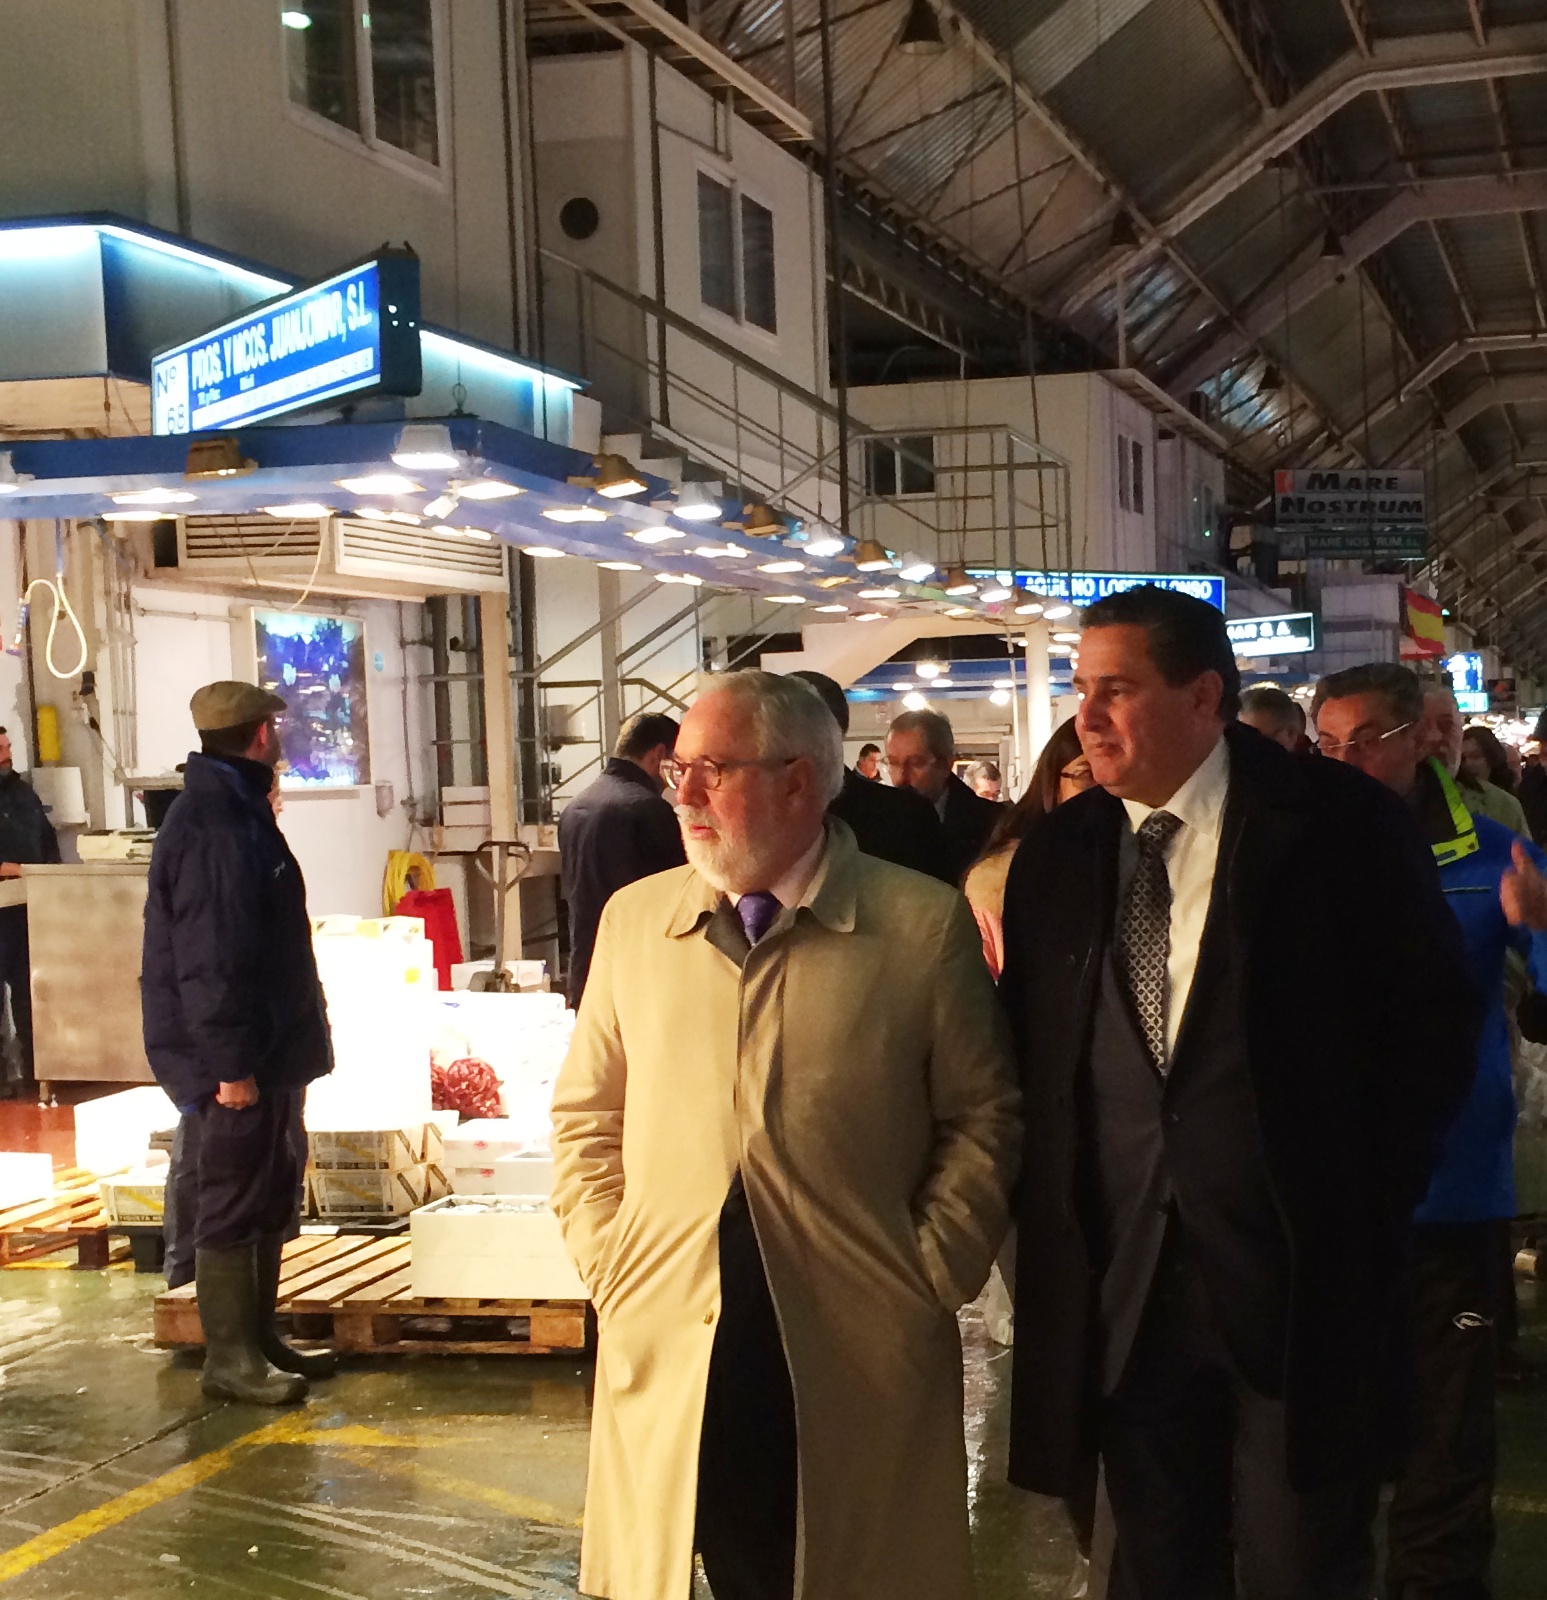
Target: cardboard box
[
  {"x": 137, "y": 1197},
  {"x": 497, "y": 1247},
  {"x": 376, "y": 1149},
  {"x": 373, "y": 1192}
]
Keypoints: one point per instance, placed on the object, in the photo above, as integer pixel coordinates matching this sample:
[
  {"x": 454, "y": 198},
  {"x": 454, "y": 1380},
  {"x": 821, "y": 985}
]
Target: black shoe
[
  {"x": 235, "y": 1367},
  {"x": 271, "y": 1248}
]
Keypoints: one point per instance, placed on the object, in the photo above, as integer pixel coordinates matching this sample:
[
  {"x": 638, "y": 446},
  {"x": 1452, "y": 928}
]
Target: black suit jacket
[
  {"x": 1359, "y": 1028},
  {"x": 968, "y": 820},
  {"x": 616, "y": 830},
  {"x": 897, "y": 825}
]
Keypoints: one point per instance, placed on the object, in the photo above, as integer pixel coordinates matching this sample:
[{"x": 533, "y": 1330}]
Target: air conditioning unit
[{"x": 338, "y": 556}]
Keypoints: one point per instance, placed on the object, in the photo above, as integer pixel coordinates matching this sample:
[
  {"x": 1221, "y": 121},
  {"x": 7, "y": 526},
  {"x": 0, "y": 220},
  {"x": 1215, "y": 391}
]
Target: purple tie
[{"x": 757, "y": 912}]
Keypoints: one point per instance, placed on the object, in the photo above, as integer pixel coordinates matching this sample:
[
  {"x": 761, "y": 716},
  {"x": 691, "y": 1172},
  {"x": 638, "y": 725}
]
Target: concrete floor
[{"x": 409, "y": 1477}]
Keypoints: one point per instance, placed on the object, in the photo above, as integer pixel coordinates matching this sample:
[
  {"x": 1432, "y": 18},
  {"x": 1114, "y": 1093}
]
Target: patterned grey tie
[{"x": 1144, "y": 932}]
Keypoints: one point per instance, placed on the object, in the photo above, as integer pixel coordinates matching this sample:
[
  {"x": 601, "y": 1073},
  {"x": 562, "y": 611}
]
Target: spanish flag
[{"x": 1423, "y": 623}]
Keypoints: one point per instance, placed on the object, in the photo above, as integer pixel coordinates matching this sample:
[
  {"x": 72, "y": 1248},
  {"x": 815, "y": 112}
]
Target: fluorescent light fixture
[
  {"x": 958, "y": 611},
  {"x": 441, "y": 506},
  {"x": 379, "y": 483},
  {"x": 459, "y": 353},
  {"x": 311, "y": 510},
  {"x": 481, "y": 534},
  {"x": 869, "y": 556},
  {"x": 995, "y": 593},
  {"x": 295, "y": 19},
  {"x": 785, "y": 599},
  {"x": 915, "y": 701},
  {"x": 1060, "y": 650},
  {"x": 782, "y": 566},
  {"x": 1066, "y": 638},
  {"x": 834, "y": 610},
  {"x": 620, "y": 566},
  {"x": 426, "y": 447},
  {"x": 915, "y": 569},
  {"x": 1030, "y": 609},
  {"x": 928, "y": 669},
  {"x": 870, "y": 616},
  {"x": 485, "y": 489},
  {"x": 697, "y": 502},
  {"x": 679, "y": 577},
  {"x": 1057, "y": 613},
  {"x": 905, "y": 687},
  {"x": 942, "y": 683},
  {"x": 544, "y": 552},
  {"x": 958, "y": 581},
  {"x": 1000, "y": 697},
  {"x": 574, "y": 514},
  {"x": 656, "y": 535},
  {"x": 879, "y": 594},
  {"x": 133, "y": 516},
  {"x": 827, "y": 545},
  {"x": 716, "y": 552},
  {"x": 154, "y": 497},
  {"x": 1004, "y": 683}
]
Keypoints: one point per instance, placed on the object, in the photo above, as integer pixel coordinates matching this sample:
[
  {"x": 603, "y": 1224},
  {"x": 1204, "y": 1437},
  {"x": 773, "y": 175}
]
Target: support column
[
  {"x": 608, "y": 599},
  {"x": 1039, "y": 695},
  {"x": 499, "y": 726}
]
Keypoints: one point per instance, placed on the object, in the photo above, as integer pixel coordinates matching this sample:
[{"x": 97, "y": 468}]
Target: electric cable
[
  {"x": 403, "y": 865},
  {"x": 62, "y": 607}
]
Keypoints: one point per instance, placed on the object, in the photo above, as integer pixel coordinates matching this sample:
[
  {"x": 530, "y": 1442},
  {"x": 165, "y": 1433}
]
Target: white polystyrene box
[
  {"x": 481, "y": 1143},
  {"x": 464, "y": 1249},
  {"x": 114, "y": 1132},
  {"x": 523, "y": 1037},
  {"x": 25, "y": 1176},
  {"x": 473, "y": 1180}
]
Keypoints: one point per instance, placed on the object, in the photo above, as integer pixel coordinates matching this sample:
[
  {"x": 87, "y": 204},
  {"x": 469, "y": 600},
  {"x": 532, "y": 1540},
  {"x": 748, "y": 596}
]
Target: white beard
[{"x": 733, "y": 866}]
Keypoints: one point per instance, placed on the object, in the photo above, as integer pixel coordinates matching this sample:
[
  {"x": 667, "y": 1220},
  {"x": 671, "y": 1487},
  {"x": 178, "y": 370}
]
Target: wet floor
[{"x": 450, "y": 1477}]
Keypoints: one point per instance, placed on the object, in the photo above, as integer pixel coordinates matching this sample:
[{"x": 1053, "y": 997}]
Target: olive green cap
[{"x": 229, "y": 705}]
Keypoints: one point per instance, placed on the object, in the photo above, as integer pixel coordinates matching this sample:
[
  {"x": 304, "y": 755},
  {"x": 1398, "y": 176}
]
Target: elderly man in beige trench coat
[{"x": 787, "y": 1026}]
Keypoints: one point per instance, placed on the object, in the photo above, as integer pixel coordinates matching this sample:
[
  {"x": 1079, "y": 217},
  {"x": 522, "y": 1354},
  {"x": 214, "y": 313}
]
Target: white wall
[
  {"x": 86, "y": 124},
  {"x": 1077, "y": 416},
  {"x": 184, "y": 639}
]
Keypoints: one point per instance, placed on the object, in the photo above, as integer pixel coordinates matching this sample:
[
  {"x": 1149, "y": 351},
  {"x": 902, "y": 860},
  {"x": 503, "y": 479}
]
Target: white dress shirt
[
  {"x": 1199, "y": 805},
  {"x": 792, "y": 888}
]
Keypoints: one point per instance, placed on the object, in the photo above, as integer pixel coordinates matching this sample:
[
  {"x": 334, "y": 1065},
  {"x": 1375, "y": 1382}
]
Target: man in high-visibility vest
[{"x": 1441, "y": 1529}]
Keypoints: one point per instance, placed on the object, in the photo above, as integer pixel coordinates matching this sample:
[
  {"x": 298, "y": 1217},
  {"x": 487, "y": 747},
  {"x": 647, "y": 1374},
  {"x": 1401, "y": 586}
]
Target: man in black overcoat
[{"x": 1216, "y": 1186}]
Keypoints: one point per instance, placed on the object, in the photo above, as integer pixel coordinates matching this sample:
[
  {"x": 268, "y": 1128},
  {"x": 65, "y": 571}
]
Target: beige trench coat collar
[{"x": 832, "y": 897}]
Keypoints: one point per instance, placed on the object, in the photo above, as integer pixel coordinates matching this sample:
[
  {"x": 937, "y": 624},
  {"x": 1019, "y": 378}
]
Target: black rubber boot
[
  {"x": 235, "y": 1367},
  {"x": 323, "y": 1364}
]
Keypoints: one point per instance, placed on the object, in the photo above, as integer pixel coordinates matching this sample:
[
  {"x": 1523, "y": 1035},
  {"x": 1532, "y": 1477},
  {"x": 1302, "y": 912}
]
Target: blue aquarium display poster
[{"x": 316, "y": 665}]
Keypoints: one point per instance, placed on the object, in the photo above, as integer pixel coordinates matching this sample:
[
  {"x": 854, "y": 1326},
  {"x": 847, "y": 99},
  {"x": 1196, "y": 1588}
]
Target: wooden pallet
[
  {"x": 73, "y": 1215},
  {"x": 353, "y": 1292}
]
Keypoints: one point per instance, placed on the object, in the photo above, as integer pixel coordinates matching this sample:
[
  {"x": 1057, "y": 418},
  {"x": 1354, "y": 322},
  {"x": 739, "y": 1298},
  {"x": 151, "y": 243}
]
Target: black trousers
[
  {"x": 1440, "y": 1526},
  {"x": 1196, "y": 1467},
  {"x": 747, "y": 1461},
  {"x": 16, "y": 975},
  {"x": 249, "y": 1170}
]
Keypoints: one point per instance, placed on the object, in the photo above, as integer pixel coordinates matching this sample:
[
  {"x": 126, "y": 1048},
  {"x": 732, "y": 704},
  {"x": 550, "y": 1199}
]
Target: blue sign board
[
  {"x": 353, "y": 332},
  {"x": 1292, "y": 634},
  {"x": 1085, "y": 588},
  {"x": 1465, "y": 671}
]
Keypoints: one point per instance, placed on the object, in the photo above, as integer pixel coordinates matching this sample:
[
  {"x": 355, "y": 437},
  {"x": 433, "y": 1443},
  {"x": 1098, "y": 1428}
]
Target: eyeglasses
[
  {"x": 1363, "y": 744},
  {"x": 711, "y": 774}
]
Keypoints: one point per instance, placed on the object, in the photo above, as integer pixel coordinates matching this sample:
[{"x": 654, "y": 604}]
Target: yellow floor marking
[
  {"x": 55, "y": 1541},
  {"x": 501, "y": 1500}
]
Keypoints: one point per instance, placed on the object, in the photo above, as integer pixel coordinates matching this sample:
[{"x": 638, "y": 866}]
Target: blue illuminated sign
[
  {"x": 353, "y": 332},
  {"x": 1085, "y": 588}
]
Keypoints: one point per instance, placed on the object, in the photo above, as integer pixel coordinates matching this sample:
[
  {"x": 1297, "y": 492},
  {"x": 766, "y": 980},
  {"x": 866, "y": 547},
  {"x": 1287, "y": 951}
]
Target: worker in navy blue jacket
[
  {"x": 235, "y": 1028},
  {"x": 1440, "y": 1528}
]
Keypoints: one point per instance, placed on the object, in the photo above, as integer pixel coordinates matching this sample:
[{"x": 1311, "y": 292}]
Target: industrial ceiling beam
[
  {"x": 1512, "y": 389},
  {"x": 1402, "y": 63},
  {"x": 1300, "y": 284},
  {"x": 1478, "y": 344}
]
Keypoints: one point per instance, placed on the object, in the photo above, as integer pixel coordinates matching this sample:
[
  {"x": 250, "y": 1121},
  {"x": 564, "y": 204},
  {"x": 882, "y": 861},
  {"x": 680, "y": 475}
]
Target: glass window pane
[
  {"x": 757, "y": 265},
  {"x": 880, "y": 469},
  {"x": 716, "y": 246},
  {"x": 1138, "y": 476},
  {"x": 403, "y": 76},
  {"x": 1122, "y": 473},
  {"x": 917, "y": 458},
  {"x": 320, "y": 58}
]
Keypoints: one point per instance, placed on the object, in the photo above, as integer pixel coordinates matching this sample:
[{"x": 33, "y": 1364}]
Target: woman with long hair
[
  {"x": 1483, "y": 759},
  {"x": 1061, "y": 773}
]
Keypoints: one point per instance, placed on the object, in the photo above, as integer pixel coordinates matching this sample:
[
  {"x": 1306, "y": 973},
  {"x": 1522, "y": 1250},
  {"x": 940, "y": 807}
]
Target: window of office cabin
[
  {"x": 1124, "y": 467},
  {"x": 895, "y": 467},
  {"x": 736, "y": 254},
  {"x": 1138, "y": 477},
  {"x": 367, "y": 66}
]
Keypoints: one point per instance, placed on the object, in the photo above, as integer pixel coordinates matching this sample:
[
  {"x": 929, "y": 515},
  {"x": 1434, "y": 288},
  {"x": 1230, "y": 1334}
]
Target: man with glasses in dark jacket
[
  {"x": 26, "y": 836},
  {"x": 235, "y": 1028}
]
